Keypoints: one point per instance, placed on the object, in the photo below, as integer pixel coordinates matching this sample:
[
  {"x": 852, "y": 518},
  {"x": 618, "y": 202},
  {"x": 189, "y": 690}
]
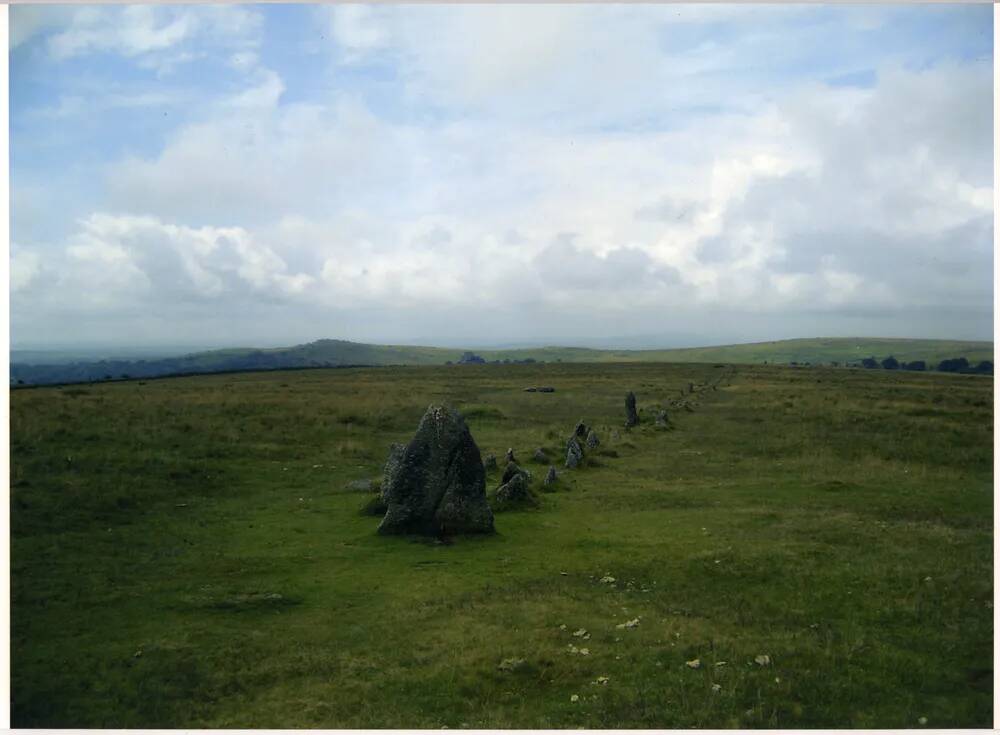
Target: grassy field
[
  {"x": 333, "y": 353},
  {"x": 185, "y": 553}
]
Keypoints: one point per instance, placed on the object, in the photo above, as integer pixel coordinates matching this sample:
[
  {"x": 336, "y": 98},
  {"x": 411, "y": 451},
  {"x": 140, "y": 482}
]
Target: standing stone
[
  {"x": 615, "y": 434},
  {"x": 490, "y": 463},
  {"x": 574, "y": 453},
  {"x": 514, "y": 490},
  {"x": 592, "y": 440},
  {"x": 580, "y": 430},
  {"x": 550, "y": 476},
  {"x": 510, "y": 470},
  {"x": 509, "y": 457},
  {"x": 439, "y": 484},
  {"x": 539, "y": 456},
  {"x": 661, "y": 418},
  {"x": 631, "y": 417},
  {"x": 690, "y": 387}
]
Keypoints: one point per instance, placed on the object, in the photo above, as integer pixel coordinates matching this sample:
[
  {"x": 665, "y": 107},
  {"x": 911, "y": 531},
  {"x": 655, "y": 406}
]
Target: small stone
[
  {"x": 592, "y": 440},
  {"x": 574, "y": 453},
  {"x": 762, "y": 660},
  {"x": 601, "y": 680},
  {"x": 550, "y": 477},
  {"x": 694, "y": 663},
  {"x": 574, "y": 698},
  {"x": 580, "y": 633},
  {"x": 661, "y": 418},
  {"x": 716, "y": 687},
  {"x": 511, "y": 664},
  {"x": 539, "y": 456},
  {"x": 509, "y": 457},
  {"x": 922, "y": 720}
]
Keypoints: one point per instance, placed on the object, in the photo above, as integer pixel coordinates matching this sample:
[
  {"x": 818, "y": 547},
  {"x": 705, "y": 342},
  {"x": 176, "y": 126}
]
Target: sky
[{"x": 626, "y": 175}]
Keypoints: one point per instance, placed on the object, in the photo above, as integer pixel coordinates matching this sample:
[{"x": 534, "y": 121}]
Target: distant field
[
  {"x": 185, "y": 553},
  {"x": 330, "y": 353}
]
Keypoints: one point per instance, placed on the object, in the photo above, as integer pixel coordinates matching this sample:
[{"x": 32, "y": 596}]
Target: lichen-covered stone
[
  {"x": 574, "y": 453},
  {"x": 592, "y": 440},
  {"x": 540, "y": 456},
  {"x": 514, "y": 491},
  {"x": 392, "y": 465},
  {"x": 580, "y": 430},
  {"x": 661, "y": 418},
  {"x": 509, "y": 457},
  {"x": 438, "y": 486},
  {"x": 512, "y": 469},
  {"x": 551, "y": 476}
]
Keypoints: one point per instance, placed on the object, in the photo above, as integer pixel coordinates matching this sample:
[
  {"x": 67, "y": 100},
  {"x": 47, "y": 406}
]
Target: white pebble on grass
[{"x": 575, "y": 698}]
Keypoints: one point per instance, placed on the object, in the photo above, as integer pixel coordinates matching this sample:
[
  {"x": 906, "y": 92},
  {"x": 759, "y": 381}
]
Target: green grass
[{"x": 185, "y": 553}]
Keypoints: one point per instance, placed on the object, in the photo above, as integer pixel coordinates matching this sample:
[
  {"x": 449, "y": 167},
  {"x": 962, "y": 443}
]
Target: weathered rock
[
  {"x": 490, "y": 463},
  {"x": 515, "y": 490},
  {"x": 509, "y": 457},
  {"x": 510, "y": 470},
  {"x": 439, "y": 484},
  {"x": 690, "y": 387},
  {"x": 574, "y": 453},
  {"x": 540, "y": 456},
  {"x": 592, "y": 441},
  {"x": 631, "y": 417},
  {"x": 580, "y": 430},
  {"x": 546, "y": 389},
  {"x": 661, "y": 418},
  {"x": 615, "y": 434},
  {"x": 530, "y": 390},
  {"x": 550, "y": 476},
  {"x": 392, "y": 464}
]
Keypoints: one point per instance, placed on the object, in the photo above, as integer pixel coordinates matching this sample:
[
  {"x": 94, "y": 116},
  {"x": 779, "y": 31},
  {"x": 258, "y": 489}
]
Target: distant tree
[
  {"x": 890, "y": 363},
  {"x": 125, "y": 376},
  {"x": 834, "y": 363},
  {"x": 955, "y": 365},
  {"x": 869, "y": 362},
  {"x": 107, "y": 377},
  {"x": 985, "y": 367},
  {"x": 448, "y": 362},
  {"x": 915, "y": 365}
]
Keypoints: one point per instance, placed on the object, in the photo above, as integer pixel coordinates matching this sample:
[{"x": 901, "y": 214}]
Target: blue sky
[{"x": 267, "y": 174}]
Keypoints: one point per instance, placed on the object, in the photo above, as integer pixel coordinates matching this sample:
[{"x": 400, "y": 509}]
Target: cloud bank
[{"x": 518, "y": 174}]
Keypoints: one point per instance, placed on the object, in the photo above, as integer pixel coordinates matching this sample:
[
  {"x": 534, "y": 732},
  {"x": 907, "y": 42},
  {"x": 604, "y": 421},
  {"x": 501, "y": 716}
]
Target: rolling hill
[{"x": 340, "y": 353}]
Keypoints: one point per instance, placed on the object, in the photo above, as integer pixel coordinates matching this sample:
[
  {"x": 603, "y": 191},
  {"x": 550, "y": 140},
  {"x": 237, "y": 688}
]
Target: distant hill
[{"x": 340, "y": 353}]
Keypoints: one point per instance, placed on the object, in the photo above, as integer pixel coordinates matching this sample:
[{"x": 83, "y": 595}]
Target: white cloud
[
  {"x": 807, "y": 199},
  {"x": 152, "y": 34}
]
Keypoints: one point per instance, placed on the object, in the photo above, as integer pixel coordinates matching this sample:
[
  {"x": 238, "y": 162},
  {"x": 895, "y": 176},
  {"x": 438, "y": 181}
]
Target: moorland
[{"x": 806, "y": 547}]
